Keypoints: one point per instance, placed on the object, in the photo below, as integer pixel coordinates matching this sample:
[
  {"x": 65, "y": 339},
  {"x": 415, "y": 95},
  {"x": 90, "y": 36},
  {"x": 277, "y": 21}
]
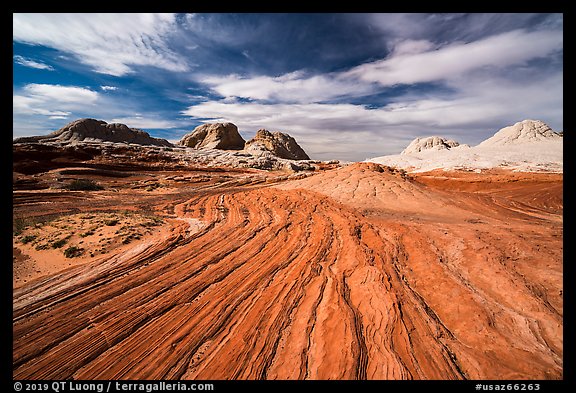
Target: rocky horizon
[
  {"x": 208, "y": 136},
  {"x": 92, "y": 130}
]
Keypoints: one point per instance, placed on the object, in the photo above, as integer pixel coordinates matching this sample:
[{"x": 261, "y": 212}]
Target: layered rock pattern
[{"x": 355, "y": 273}]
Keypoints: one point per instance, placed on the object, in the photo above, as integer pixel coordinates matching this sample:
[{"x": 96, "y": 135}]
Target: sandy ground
[
  {"x": 360, "y": 272},
  {"x": 48, "y": 247}
]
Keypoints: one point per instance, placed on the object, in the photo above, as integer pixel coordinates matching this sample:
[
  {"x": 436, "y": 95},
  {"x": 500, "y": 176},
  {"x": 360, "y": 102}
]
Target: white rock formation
[
  {"x": 527, "y": 131},
  {"x": 429, "y": 143},
  {"x": 528, "y": 146}
]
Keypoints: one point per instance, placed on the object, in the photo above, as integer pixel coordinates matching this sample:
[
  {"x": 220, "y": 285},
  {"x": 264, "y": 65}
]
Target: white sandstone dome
[
  {"x": 434, "y": 143},
  {"x": 526, "y": 131}
]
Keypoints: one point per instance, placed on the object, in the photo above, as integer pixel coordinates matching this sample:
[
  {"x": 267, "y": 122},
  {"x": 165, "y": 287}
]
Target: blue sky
[{"x": 346, "y": 86}]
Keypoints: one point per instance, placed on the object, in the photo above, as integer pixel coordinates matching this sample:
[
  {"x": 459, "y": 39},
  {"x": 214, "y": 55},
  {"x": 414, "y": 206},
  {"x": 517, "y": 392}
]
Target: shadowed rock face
[
  {"x": 360, "y": 272},
  {"x": 97, "y": 131},
  {"x": 279, "y": 144},
  {"x": 222, "y": 136}
]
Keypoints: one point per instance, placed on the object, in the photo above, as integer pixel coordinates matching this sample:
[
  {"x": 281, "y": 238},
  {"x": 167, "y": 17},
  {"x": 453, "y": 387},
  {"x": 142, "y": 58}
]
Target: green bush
[
  {"x": 73, "y": 251},
  {"x": 59, "y": 243},
  {"x": 19, "y": 224},
  {"x": 87, "y": 233},
  {"x": 27, "y": 239}
]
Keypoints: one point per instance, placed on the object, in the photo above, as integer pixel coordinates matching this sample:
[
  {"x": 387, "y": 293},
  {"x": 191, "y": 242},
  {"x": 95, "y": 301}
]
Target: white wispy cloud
[
  {"x": 32, "y": 63},
  {"x": 110, "y": 43},
  {"x": 292, "y": 87},
  {"x": 108, "y": 88},
  {"x": 499, "y": 51},
  {"x": 410, "y": 62},
  {"x": 52, "y": 100}
]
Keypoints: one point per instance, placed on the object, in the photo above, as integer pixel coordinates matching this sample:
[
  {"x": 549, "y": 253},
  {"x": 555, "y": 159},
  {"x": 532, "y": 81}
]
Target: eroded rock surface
[
  {"x": 223, "y": 136},
  {"x": 359, "y": 272},
  {"x": 92, "y": 130},
  {"x": 429, "y": 143},
  {"x": 526, "y": 131},
  {"x": 277, "y": 143}
]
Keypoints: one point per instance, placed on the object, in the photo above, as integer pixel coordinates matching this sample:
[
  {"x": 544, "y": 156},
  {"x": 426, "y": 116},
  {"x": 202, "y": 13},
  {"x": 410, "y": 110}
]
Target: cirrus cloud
[
  {"x": 52, "y": 100},
  {"x": 32, "y": 63},
  {"x": 498, "y": 51},
  {"x": 292, "y": 87},
  {"x": 110, "y": 43}
]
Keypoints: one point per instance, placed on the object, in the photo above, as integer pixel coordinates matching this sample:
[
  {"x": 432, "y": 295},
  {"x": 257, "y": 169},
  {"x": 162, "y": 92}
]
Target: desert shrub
[
  {"x": 27, "y": 239},
  {"x": 111, "y": 222},
  {"x": 73, "y": 251},
  {"x": 83, "y": 185},
  {"x": 18, "y": 225},
  {"x": 152, "y": 222},
  {"x": 87, "y": 233},
  {"x": 59, "y": 243},
  {"x": 21, "y": 223}
]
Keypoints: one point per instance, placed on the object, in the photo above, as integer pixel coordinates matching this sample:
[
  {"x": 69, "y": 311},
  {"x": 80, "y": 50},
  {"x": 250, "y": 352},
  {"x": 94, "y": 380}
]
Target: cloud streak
[
  {"x": 110, "y": 43},
  {"x": 293, "y": 87},
  {"x": 52, "y": 100},
  {"x": 411, "y": 62},
  {"x": 498, "y": 51},
  {"x": 32, "y": 63}
]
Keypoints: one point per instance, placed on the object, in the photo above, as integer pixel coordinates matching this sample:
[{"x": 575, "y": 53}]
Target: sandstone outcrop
[
  {"x": 223, "y": 136},
  {"x": 277, "y": 143},
  {"x": 92, "y": 130},
  {"x": 526, "y": 131},
  {"x": 526, "y": 146},
  {"x": 429, "y": 143}
]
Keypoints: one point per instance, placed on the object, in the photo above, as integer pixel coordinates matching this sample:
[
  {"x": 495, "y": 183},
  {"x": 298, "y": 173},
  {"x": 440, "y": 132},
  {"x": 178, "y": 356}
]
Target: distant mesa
[
  {"x": 434, "y": 143},
  {"x": 223, "y": 136},
  {"x": 277, "y": 143},
  {"x": 526, "y": 131},
  {"x": 92, "y": 130}
]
